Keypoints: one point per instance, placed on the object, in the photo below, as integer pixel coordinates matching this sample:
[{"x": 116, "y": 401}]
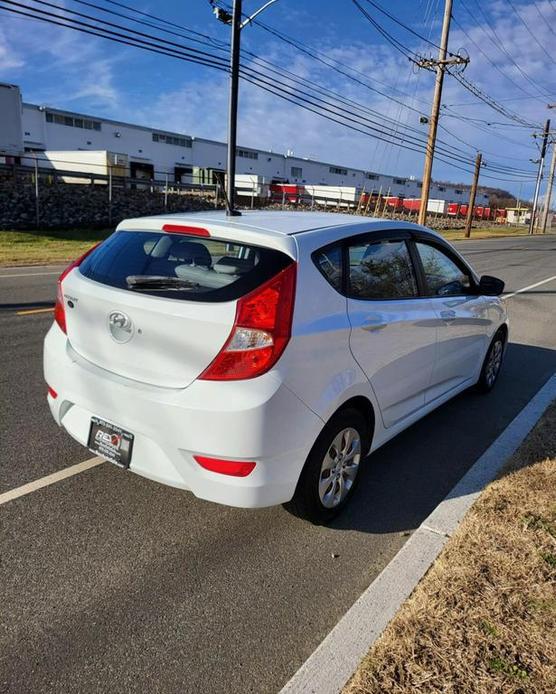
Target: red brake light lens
[
  {"x": 53, "y": 394},
  {"x": 225, "y": 467},
  {"x": 182, "y": 229},
  {"x": 261, "y": 331},
  {"x": 59, "y": 310}
]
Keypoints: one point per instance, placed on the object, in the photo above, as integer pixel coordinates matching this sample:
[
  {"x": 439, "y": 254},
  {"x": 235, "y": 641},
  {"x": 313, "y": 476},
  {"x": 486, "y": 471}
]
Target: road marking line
[
  {"x": 29, "y": 274},
  {"x": 531, "y": 286},
  {"x": 337, "y": 657},
  {"x": 49, "y": 479},
  {"x": 31, "y": 311}
]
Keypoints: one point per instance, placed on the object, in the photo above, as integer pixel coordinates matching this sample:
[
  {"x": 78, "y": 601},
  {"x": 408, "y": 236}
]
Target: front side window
[
  {"x": 442, "y": 275},
  {"x": 381, "y": 270}
]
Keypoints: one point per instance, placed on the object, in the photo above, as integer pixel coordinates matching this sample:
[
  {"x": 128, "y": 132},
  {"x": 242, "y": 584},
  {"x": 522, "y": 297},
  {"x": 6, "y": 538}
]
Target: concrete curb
[{"x": 334, "y": 661}]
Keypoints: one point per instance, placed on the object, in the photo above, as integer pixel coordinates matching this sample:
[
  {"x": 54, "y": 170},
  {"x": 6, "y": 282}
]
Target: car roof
[{"x": 273, "y": 221}]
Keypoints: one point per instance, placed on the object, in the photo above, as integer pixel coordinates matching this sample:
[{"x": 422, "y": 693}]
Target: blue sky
[{"x": 62, "y": 68}]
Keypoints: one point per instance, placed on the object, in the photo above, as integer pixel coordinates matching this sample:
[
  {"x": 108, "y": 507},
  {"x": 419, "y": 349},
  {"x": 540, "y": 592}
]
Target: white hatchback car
[{"x": 256, "y": 360}]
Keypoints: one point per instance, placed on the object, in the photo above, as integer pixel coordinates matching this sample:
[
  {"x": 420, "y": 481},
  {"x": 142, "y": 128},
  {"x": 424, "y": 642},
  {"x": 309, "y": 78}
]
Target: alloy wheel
[
  {"x": 494, "y": 363},
  {"x": 339, "y": 467}
]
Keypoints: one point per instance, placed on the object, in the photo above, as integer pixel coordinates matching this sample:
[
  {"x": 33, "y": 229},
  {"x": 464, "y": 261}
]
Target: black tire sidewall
[
  {"x": 482, "y": 384},
  {"x": 306, "y": 498}
]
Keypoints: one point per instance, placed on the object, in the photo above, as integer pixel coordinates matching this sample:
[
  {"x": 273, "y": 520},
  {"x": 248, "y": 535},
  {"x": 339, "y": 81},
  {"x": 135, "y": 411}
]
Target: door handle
[
  {"x": 448, "y": 316},
  {"x": 373, "y": 325}
]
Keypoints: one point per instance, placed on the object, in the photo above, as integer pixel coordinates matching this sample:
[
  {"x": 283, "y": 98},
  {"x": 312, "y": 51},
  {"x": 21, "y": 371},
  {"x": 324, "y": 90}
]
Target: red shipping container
[
  {"x": 411, "y": 204},
  {"x": 395, "y": 203},
  {"x": 288, "y": 192}
]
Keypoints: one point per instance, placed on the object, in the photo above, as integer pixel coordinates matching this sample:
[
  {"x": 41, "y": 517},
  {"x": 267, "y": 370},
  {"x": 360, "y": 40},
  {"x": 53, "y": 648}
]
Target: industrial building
[{"x": 154, "y": 153}]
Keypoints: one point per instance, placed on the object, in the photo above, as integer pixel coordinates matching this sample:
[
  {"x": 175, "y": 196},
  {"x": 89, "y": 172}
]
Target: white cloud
[
  {"x": 64, "y": 67},
  {"x": 10, "y": 59},
  {"x": 86, "y": 77},
  {"x": 268, "y": 122}
]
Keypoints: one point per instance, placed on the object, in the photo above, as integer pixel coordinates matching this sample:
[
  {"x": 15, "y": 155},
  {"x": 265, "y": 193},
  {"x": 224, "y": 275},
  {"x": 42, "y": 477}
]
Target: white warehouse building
[{"x": 154, "y": 153}]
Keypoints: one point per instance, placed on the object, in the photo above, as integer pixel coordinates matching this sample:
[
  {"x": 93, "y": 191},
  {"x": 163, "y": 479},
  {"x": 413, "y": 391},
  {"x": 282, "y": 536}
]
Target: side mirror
[{"x": 491, "y": 286}]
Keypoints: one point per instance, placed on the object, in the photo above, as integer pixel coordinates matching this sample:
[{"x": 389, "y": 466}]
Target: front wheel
[
  {"x": 330, "y": 474},
  {"x": 492, "y": 363}
]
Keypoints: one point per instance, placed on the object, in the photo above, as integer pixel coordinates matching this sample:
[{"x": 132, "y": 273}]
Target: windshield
[{"x": 181, "y": 267}]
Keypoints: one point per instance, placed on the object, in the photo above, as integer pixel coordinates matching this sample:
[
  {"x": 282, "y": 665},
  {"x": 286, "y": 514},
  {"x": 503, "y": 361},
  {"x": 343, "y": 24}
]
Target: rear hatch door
[{"x": 158, "y": 307}]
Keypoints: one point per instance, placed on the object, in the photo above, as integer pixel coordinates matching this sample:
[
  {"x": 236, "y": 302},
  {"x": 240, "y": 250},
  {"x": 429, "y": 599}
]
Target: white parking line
[
  {"x": 531, "y": 286},
  {"x": 29, "y": 274},
  {"x": 49, "y": 479}
]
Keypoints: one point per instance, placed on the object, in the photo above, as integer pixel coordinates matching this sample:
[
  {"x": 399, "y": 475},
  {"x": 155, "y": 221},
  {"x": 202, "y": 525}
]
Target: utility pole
[
  {"x": 473, "y": 195},
  {"x": 234, "y": 20},
  {"x": 441, "y": 64},
  {"x": 548, "y": 198},
  {"x": 539, "y": 177},
  {"x": 232, "y": 110}
]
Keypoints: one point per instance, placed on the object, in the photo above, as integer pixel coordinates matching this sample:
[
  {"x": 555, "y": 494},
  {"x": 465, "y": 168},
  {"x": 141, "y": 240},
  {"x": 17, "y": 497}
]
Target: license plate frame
[{"x": 110, "y": 441}]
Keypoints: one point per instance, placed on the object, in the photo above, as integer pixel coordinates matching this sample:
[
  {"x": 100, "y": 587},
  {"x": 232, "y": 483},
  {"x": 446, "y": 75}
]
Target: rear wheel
[
  {"x": 330, "y": 474},
  {"x": 492, "y": 364}
]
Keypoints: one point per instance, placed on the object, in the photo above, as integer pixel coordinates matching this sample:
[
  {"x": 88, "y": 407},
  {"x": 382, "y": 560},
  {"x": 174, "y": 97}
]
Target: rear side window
[
  {"x": 329, "y": 262},
  {"x": 181, "y": 267},
  {"x": 381, "y": 270}
]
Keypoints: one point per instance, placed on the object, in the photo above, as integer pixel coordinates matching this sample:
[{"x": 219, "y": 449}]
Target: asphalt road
[{"x": 113, "y": 583}]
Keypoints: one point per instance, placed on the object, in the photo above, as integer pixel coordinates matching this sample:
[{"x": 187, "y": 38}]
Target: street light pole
[{"x": 232, "y": 110}]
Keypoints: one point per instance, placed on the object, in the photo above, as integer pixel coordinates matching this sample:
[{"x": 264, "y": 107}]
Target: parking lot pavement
[{"x": 115, "y": 583}]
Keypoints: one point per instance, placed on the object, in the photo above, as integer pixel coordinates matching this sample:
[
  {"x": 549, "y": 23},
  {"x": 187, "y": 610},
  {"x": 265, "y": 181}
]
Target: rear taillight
[
  {"x": 260, "y": 333},
  {"x": 53, "y": 394},
  {"x": 59, "y": 310},
  {"x": 234, "y": 468}
]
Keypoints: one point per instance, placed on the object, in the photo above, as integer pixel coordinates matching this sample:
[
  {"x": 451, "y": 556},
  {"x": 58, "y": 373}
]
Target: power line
[
  {"x": 278, "y": 71},
  {"x": 281, "y": 71},
  {"x": 308, "y": 105},
  {"x": 337, "y": 115},
  {"x": 476, "y": 91},
  {"x": 404, "y": 50},
  {"x": 405, "y": 26},
  {"x": 528, "y": 29},
  {"x": 495, "y": 39},
  {"x": 545, "y": 20},
  {"x": 494, "y": 65},
  {"x": 313, "y": 53},
  {"x": 466, "y": 83}
]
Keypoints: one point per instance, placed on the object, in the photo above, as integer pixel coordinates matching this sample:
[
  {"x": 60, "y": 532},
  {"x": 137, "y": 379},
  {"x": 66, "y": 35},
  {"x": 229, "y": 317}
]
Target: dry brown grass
[{"x": 483, "y": 620}]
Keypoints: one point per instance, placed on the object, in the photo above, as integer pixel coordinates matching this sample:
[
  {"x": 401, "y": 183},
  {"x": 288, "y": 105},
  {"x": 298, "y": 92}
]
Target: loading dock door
[
  {"x": 183, "y": 174},
  {"x": 139, "y": 169}
]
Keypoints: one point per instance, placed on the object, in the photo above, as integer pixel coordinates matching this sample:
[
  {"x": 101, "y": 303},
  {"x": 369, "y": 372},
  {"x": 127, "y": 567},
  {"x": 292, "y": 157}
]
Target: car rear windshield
[{"x": 181, "y": 267}]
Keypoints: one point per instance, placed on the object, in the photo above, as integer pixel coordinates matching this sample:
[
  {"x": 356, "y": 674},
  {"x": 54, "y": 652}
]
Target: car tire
[
  {"x": 492, "y": 363},
  {"x": 331, "y": 471}
]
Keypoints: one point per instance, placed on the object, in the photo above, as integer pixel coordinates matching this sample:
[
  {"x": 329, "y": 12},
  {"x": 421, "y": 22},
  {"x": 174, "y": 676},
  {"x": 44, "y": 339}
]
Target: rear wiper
[{"x": 159, "y": 282}]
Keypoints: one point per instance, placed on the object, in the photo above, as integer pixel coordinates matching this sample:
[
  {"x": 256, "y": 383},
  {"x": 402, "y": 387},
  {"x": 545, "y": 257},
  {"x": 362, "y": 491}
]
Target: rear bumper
[{"x": 258, "y": 420}]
